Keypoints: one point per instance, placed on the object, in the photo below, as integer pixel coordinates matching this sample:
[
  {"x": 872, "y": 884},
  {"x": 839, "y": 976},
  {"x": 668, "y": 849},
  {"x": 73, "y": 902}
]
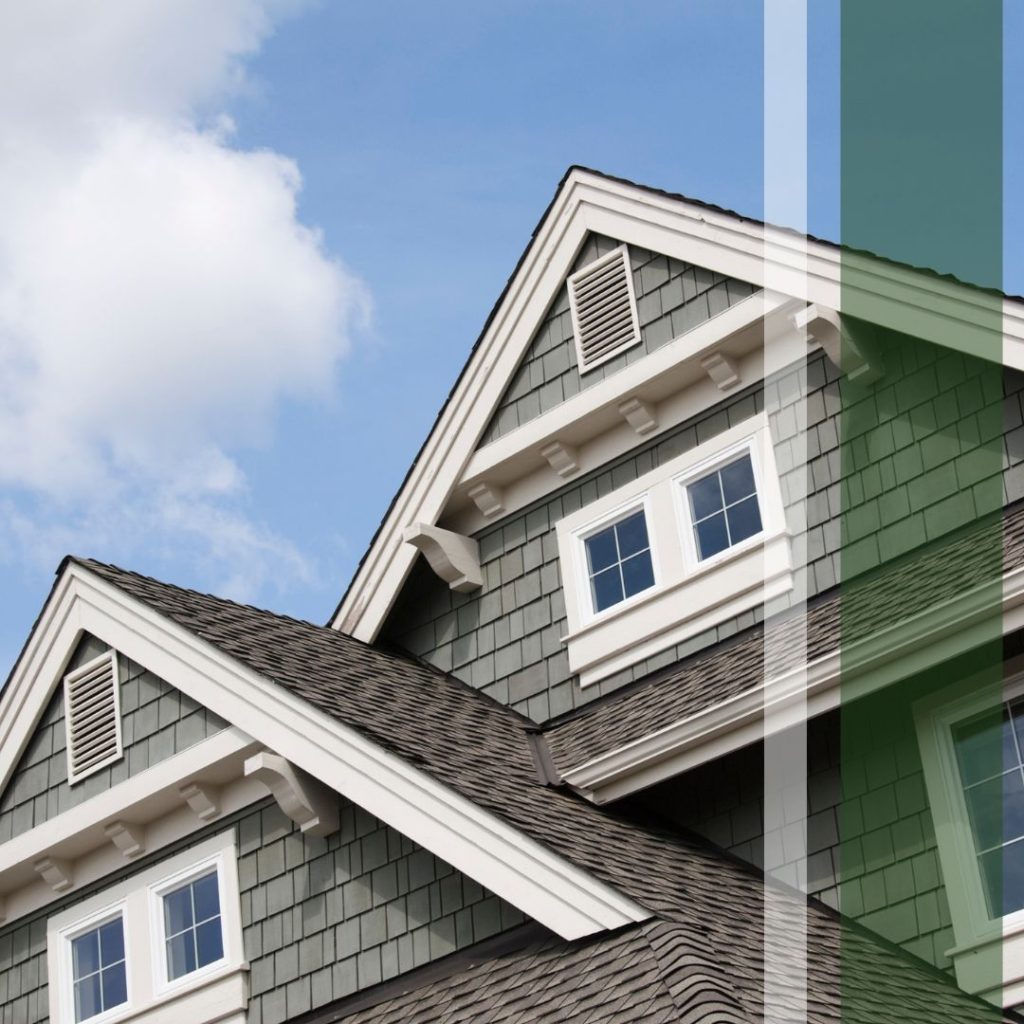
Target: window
[
  {"x": 988, "y": 753},
  {"x": 696, "y": 541},
  {"x": 619, "y": 561},
  {"x": 98, "y": 969},
  {"x": 971, "y": 737},
  {"x": 192, "y": 926},
  {"x": 171, "y": 931},
  {"x": 724, "y": 507}
]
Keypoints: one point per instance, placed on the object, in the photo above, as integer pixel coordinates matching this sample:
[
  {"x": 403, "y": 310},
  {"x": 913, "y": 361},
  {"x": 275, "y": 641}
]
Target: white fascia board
[
  {"x": 531, "y": 877},
  {"x": 929, "y": 638},
  {"x": 902, "y": 298}
]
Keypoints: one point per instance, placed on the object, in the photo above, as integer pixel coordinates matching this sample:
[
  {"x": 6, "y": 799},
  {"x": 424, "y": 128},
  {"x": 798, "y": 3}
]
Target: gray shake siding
[
  {"x": 672, "y": 298},
  {"x": 908, "y": 479},
  {"x": 321, "y": 918},
  {"x": 891, "y": 879},
  {"x": 157, "y": 722}
]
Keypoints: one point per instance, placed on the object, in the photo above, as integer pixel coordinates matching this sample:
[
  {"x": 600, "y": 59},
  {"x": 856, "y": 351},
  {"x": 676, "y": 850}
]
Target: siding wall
[
  {"x": 157, "y": 722},
  {"x": 672, "y": 298},
  {"x": 911, "y": 476},
  {"x": 891, "y": 879},
  {"x": 321, "y": 917}
]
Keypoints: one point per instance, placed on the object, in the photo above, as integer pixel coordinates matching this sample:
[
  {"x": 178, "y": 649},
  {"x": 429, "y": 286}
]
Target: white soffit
[
  {"x": 540, "y": 883},
  {"x": 905, "y": 299}
]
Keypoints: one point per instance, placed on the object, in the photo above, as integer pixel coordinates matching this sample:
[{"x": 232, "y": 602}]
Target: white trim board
[
  {"x": 951, "y": 313},
  {"x": 542, "y": 884},
  {"x": 929, "y": 638}
]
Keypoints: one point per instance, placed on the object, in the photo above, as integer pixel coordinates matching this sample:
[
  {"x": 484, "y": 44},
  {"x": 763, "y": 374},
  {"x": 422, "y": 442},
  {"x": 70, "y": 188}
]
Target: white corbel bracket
[
  {"x": 722, "y": 370},
  {"x": 848, "y": 345},
  {"x": 56, "y": 873},
  {"x": 640, "y": 415},
  {"x": 488, "y": 499},
  {"x": 455, "y": 558},
  {"x": 562, "y": 458},
  {"x": 309, "y": 803},
  {"x": 203, "y": 800},
  {"x": 129, "y": 839}
]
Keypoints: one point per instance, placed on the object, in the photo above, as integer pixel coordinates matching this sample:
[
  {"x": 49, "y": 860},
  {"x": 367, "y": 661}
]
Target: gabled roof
[
  {"x": 902, "y": 298},
  {"x": 972, "y": 560},
  {"x": 709, "y": 905}
]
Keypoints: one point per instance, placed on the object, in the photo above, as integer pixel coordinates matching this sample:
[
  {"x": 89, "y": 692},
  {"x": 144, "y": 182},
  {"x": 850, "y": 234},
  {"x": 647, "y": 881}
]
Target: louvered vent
[
  {"x": 603, "y": 308},
  {"x": 92, "y": 715}
]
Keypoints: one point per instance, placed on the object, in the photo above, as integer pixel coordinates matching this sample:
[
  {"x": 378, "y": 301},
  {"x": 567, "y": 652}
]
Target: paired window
[
  {"x": 722, "y": 511},
  {"x": 149, "y": 939}
]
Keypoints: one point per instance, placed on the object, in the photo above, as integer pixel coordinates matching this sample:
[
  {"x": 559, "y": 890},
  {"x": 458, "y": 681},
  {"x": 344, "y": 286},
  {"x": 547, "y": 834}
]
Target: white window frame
[
  {"x": 66, "y": 968},
  {"x": 69, "y": 678},
  {"x": 164, "y": 985},
  {"x": 218, "y": 987},
  {"x": 581, "y": 536},
  {"x": 975, "y": 932},
  {"x": 688, "y": 596}
]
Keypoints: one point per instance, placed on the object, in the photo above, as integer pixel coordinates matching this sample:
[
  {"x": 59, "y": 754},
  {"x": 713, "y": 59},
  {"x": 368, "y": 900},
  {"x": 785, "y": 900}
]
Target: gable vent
[
  {"x": 603, "y": 305},
  {"x": 92, "y": 716}
]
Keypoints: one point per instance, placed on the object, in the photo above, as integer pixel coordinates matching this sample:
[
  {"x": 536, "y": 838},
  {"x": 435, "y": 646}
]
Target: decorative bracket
[
  {"x": 129, "y": 839},
  {"x": 640, "y": 415},
  {"x": 309, "y": 803},
  {"x": 562, "y": 458},
  {"x": 488, "y": 499},
  {"x": 722, "y": 370},
  {"x": 848, "y": 344},
  {"x": 204, "y": 800},
  {"x": 455, "y": 558},
  {"x": 56, "y": 873}
]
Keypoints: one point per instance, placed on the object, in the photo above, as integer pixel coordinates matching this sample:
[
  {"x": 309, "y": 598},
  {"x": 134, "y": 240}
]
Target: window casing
[
  {"x": 971, "y": 745},
  {"x": 687, "y": 589},
  {"x": 139, "y": 904},
  {"x": 94, "y": 953}
]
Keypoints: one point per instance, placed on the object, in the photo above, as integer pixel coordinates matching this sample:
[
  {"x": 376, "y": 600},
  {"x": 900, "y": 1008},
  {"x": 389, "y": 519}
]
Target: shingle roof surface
[
  {"x": 972, "y": 559},
  {"x": 479, "y": 749}
]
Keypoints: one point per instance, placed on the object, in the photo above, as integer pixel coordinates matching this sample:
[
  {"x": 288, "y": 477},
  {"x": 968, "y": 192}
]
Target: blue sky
[{"x": 429, "y": 139}]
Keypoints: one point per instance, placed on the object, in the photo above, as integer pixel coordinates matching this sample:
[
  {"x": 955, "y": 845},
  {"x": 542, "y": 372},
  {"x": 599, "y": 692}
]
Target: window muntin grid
[
  {"x": 98, "y": 971},
  {"x": 192, "y": 926},
  {"x": 619, "y": 561},
  {"x": 989, "y": 758},
  {"x": 724, "y": 507}
]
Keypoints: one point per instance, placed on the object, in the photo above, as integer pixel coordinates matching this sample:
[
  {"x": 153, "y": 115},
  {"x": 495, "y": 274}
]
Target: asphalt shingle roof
[
  {"x": 480, "y": 749},
  {"x": 972, "y": 559}
]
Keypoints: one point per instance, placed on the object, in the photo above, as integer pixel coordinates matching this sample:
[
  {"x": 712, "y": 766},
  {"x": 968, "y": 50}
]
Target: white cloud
[{"x": 158, "y": 295}]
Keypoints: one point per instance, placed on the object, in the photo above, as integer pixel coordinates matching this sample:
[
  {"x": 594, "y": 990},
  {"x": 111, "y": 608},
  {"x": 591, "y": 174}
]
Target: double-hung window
[
  {"x": 98, "y": 974},
  {"x": 192, "y": 928}
]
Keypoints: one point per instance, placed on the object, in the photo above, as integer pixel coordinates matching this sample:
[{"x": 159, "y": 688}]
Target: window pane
[
  {"x": 209, "y": 943},
  {"x": 85, "y": 954},
  {"x": 985, "y": 807},
  {"x": 181, "y": 955},
  {"x": 637, "y": 573},
  {"x": 738, "y": 480},
  {"x": 984, "y": 747},
  {"x": 115, "y": 990},
  {"x": 607, "y": 587},
  {"x": 632, "y": 535},
  {"x": 1002, "y": 873},
  {"x": 744, "y": 520},
  {"x": 705, "y": 496},
  {"x": 711, "y": 536},
  {"x": 87, "y": 998},
  {"x": 112, "y": 942},
  {"x": 601, "y": 551},
  {"x": 178, "y": 910},
  {"x": 207, "y": 899}
]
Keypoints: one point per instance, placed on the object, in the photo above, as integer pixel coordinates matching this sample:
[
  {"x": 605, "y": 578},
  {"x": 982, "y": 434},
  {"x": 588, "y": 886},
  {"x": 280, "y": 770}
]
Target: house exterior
[{"x": 705, "y": 491}]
